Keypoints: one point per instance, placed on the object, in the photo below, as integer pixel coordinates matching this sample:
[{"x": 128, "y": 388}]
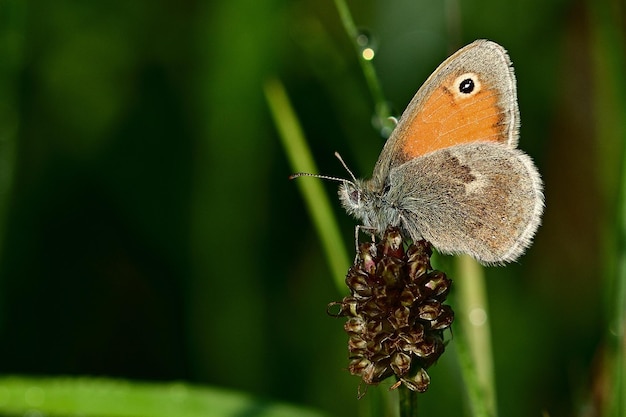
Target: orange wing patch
[{"x": 449, "y": 118}]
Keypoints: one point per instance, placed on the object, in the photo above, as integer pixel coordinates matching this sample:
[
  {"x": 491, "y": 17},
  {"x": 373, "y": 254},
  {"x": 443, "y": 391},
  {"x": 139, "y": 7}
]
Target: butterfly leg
[{"x": 357, "y": 229}]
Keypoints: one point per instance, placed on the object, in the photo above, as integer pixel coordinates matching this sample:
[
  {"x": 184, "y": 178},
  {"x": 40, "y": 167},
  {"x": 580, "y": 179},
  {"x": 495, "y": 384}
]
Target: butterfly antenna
[
  {"x": 327, "y": 177},
  {"x": 345, "y": 166},
  {"x": 324, "y": 177}
]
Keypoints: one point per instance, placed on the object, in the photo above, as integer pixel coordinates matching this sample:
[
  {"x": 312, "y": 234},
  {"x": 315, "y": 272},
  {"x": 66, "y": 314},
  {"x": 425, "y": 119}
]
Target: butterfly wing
[
  {"x": 483, "y": 199},
  {"x": 470, "y": 97}
]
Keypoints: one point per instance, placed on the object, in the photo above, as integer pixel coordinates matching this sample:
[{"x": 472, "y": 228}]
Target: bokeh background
[{"x": 149, "y": 232}]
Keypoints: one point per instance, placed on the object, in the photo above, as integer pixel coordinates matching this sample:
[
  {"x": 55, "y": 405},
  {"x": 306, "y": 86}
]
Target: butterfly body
[{"x": 450, "y": 172}]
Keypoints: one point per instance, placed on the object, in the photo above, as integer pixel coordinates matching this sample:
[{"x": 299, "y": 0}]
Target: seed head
[{"x": 396, "y": 316}]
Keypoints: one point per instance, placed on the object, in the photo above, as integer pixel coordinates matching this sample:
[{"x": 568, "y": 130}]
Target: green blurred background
[{"x": 148, "y": 230}]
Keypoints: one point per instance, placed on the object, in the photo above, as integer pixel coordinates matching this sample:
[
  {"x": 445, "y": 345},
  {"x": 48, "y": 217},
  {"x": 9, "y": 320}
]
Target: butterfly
[{"x": 450, "y": 172}]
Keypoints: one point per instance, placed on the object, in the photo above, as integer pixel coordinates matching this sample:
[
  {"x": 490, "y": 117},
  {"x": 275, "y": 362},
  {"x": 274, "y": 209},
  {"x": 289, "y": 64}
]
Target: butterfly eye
[
  {"x": 355, "y": 196},
  {"x": 386, "y": 188}
]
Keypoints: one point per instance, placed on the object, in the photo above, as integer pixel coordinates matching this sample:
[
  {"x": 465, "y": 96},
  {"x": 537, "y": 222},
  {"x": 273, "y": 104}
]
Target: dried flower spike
[{"x": 395, "y": 310}]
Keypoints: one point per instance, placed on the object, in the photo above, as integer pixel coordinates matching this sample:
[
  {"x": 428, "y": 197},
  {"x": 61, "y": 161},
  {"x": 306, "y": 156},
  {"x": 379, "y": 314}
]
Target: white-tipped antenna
[{"x": 327, "y": 177}]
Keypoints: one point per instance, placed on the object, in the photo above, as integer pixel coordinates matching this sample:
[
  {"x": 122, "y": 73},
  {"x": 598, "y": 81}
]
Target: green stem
[
  {"x": 617, "y": 335},
  {"x": 474, "y": 339},
  {"x": 609, "y": 65},
  {"x": 301, "y": 160},
  {"x": 383, "y": 112},
  {"x": 408, "y": 402}
]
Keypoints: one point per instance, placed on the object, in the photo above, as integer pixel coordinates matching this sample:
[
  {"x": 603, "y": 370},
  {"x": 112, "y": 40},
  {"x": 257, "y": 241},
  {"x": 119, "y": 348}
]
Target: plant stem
[
  {"x": 609, "y": 95},
  {"x": 382, "y": 110},
  {"x": 317, "y": 201},
  {"x": 475, "y": 338},
  {"x": 408, "y": 402}
]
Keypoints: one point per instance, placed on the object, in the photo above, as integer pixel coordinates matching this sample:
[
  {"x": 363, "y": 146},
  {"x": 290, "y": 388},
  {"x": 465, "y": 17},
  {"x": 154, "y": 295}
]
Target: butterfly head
[
  {"x": 370, "y": 204},
  {"x": 352, "y": 198}
]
